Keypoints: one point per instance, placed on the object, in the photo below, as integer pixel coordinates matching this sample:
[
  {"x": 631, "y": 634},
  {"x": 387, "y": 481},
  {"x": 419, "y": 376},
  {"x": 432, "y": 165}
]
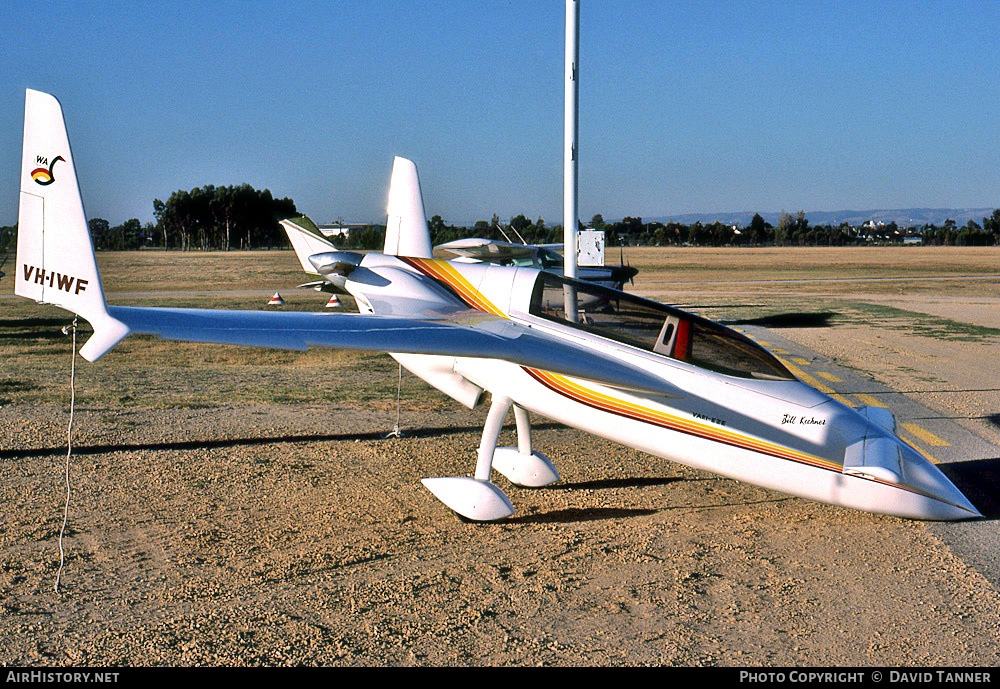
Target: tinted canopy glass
[{"x": 654, "y": 327}]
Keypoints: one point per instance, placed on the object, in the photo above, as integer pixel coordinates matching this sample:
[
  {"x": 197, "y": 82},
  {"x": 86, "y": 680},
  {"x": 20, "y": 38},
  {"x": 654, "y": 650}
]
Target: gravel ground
[{"x": 269, "y": 540}]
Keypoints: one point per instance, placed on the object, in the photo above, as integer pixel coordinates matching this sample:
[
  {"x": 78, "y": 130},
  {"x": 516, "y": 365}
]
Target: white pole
[
  {"x": 571, "y": 151},
  {"x": 570, "y": 126}
]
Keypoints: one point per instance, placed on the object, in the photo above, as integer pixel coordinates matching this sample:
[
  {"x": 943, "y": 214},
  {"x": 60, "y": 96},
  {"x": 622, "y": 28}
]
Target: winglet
[
  {"x": 55, "y": 258},
  {"x": 406, "y": 232}
]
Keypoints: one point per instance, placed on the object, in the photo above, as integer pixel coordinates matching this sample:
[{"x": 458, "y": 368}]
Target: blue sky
[{"x": 684, "y": 106}]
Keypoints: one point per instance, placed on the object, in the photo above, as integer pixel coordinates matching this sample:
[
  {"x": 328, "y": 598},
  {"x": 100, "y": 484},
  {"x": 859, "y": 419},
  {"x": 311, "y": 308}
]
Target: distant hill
[{"x": 904, "y": 217}]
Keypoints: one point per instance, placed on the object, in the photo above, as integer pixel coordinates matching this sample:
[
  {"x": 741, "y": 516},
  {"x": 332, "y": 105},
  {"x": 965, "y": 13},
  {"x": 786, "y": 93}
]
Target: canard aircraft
[
  {"x": 649, "y": 376},
  {"x": 541, "y": 256},
  {"x": 308, "y": 241}
]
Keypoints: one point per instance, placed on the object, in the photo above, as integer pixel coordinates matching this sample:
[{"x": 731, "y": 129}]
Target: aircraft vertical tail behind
[
  {"x": 306, "y": 241},
  {"x": 55, "y": 258},
  {"x": 406, "y": 232}
]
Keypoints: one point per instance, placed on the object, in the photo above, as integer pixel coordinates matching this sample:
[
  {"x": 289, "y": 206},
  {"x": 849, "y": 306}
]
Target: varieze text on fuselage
[{"x": 67, "y": 283}]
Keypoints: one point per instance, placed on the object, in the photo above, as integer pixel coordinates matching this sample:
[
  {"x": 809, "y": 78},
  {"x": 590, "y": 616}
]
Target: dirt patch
[{"x": 325, "y": 549}]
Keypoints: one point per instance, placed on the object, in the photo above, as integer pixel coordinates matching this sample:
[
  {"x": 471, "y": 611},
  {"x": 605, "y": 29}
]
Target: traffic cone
[
  {"x": 276, "y": 300},
  {"x": 333, "y": 303}
]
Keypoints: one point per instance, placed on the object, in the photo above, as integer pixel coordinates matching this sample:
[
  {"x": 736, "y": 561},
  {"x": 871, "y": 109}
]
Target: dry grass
[
  {"x": 37, "y": 353},
  {"x": 777, "y": 263},
  {"x": 742, "y": 286},
  {"x": 145, "y": 271}
]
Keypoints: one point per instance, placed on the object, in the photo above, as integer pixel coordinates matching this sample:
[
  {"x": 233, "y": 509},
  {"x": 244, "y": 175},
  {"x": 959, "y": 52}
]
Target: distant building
[{"x": 338, "y": 228}]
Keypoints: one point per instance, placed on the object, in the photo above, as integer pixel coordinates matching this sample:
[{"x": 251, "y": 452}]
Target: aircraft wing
[
  {"x": 464, "y": 333},
  {"x": 486, "y": 249}
]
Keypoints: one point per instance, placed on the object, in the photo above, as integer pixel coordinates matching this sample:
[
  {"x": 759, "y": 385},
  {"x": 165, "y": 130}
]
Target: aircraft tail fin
[
  {"x": 307, "y": 241},
  {"x": 406, "y": 232},
  {"x": 55, "y": 261}
]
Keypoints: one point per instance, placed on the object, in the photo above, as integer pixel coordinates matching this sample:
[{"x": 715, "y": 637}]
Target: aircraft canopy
[{"x": 654, "y": 327}]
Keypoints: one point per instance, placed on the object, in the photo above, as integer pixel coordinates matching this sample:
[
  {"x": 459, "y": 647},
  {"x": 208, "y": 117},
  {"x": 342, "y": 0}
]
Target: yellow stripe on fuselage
[
  {"x": 449, "y": 275},
  {"x": 615, "y": 405}
]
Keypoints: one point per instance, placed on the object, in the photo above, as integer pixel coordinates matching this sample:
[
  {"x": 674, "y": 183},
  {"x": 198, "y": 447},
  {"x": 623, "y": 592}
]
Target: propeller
[{"x": 628, "y": 266}]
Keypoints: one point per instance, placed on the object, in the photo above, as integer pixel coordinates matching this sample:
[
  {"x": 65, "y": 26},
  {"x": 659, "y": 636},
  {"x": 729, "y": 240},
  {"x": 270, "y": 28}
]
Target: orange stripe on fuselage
[{"x": 446, "y": 273}]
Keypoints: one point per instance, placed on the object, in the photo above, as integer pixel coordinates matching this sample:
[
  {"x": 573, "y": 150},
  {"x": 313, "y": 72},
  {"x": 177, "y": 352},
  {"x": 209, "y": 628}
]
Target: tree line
[
  {"x": 242, "y": 217},
  {"x": 209, "y": 217},
  {"x": 792, "y": 230},
  {"x": 222, "y": 218}
]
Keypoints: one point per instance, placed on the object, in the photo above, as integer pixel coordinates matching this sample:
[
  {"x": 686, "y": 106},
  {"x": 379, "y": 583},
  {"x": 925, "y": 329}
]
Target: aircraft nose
[{"x": 948, "y": 501}]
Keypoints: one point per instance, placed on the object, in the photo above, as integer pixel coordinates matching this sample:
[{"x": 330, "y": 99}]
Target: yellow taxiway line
[{"x": 925, "y": 435}]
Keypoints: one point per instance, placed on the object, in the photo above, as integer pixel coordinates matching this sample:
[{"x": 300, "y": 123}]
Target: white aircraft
[
  {"x": 628, "y": 369},
  {"x": 541, "y": 256},
  {"x": 308, "y": 241}
]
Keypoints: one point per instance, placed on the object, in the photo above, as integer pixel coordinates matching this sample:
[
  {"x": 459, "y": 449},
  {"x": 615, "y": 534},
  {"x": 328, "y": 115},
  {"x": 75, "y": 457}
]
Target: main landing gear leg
[
  {"x": 520, "y": 465},
  {"x": 477, "y": 498}
]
